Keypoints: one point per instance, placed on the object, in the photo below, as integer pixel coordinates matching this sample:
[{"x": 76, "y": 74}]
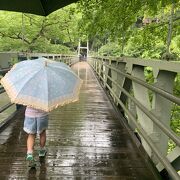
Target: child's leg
[
  {"x": 30, "y": 143},
  {"x": 42, "y": 152},
  {"x": 30, "y": 127},
  {"x": 42, "y": 126},
  {"x": 30, "y": 149},
  {"x": 43, "y": 139}
]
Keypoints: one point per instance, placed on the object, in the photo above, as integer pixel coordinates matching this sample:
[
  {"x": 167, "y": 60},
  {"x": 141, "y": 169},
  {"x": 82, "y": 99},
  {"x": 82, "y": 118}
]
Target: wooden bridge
[
  {"x": 113, "y": 132},
  {"x": 85, "y": 139},
  {"x": 88, "y": 139}
]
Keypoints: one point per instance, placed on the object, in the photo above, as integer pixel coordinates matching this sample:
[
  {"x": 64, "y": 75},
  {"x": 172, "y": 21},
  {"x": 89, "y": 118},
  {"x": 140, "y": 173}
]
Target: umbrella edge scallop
[{"x": 39, "y": 104}]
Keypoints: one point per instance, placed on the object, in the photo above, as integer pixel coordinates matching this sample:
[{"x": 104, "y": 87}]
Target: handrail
[
  {"x": 4, "y": 70},
  {"x": 165, "y": 129},
  {"x": 5, "y": 107},
  {"x": 149, "y": 86},
  {"x": 2, "y": 90},
  {"x": 106, "y": 77},
  {"x": 161, "y": 158}
]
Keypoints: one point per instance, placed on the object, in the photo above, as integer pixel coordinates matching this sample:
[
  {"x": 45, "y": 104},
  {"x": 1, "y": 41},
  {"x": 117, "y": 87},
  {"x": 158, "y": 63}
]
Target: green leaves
[
  {"x": 34, "y": 33},
  {"x": 115, "y": 20}
]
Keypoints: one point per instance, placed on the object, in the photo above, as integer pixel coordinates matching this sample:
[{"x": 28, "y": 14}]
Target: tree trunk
[
  {"x": 22, "y": 26},
  {"x": 123, "y": 42},
  {"x": 170, "y": 29}
]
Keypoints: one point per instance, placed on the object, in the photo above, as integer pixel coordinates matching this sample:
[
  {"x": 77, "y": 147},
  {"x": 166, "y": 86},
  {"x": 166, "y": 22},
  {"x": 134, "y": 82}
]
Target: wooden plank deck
[{"x": 85, "y": 140}]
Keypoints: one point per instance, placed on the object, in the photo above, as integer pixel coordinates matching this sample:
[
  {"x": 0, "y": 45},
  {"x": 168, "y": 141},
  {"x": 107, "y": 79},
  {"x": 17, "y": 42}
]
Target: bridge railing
[
  {"x": 5, "y": 106},
  {"x": 146, "y": 106},
  {"x": 68, "y": 59},
  {"x": 7, "y": 109}
]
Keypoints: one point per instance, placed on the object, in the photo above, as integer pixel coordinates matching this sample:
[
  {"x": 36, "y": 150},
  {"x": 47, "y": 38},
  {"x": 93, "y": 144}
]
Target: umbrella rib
[{"x": 42, "y": 7}]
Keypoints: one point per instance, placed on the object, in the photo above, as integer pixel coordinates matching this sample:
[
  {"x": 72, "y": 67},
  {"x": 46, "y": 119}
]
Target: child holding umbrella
[{"x": 35, "y": 122}]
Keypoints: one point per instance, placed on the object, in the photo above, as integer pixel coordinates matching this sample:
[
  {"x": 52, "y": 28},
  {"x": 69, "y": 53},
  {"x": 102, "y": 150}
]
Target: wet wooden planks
[{"x": 85, "y": 140}]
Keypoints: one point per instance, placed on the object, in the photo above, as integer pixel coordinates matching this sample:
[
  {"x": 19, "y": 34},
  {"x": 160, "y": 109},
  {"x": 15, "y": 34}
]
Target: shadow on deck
[{"x": 85, "y": 140}]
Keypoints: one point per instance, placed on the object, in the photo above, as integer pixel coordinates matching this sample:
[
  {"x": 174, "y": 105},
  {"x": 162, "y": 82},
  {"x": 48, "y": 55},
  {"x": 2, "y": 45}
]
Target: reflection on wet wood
[{"x": 85, "y": 140}]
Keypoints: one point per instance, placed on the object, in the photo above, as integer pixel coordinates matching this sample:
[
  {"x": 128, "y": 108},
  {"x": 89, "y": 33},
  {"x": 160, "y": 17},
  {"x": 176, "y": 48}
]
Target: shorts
[{"x": 35, "y": 125}]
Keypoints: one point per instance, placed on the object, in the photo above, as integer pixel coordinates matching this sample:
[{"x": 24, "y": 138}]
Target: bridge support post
[
  {"x": 106, "y": 71},
  {"x": 109, "y": 73},
  {"x": 161, "y": 108},
  {"x": 100, "y": 68},
  {"x": 96, "y": 66},
  {"x": 114, "y": 76},
  {"x": 141, "y": 94},
  {"x": 126, "y": 84},
  {"x": 132, "y": 109}
]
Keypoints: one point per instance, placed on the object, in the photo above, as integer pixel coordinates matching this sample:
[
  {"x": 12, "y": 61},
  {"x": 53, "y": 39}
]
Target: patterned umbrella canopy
[
  {"x": 39, "y": 7},
  {"x": 41, "y": 84}
]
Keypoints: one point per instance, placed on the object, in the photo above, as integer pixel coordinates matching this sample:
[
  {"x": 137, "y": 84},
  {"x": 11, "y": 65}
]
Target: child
[{"x": 35, "y": 122}]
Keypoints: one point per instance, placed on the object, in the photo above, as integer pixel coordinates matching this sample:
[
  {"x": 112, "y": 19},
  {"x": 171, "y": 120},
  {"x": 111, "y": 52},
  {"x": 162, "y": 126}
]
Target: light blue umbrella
[{"x": 41, "y": 84}]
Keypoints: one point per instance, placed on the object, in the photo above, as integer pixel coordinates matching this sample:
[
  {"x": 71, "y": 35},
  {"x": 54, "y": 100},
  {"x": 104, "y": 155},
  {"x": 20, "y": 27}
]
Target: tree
[
  {"x": 35, "y": 33},
  {"x": 117, "y": 17}
]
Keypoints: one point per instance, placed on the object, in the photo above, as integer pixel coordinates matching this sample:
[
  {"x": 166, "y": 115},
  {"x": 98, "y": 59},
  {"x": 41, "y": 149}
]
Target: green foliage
[
  {"x": 110, "y": 49},
  {"x": 175, "y": 119},
  {"x": 43, "y": 45},
  {"x": 25, "y": 32},
  {"x": 175, "y": 46},
  {"x": 8, "y": 44},
  {"x": 176, "y": 89},
  {"x": 99, "y": 15},
  {"x": 175, "y": 125},
  {"x": 175, "y": 112},
  {"x": 116, "y": 19},
  {"x": 148, "y": 73},
  {"x": 13, "y": 61}
]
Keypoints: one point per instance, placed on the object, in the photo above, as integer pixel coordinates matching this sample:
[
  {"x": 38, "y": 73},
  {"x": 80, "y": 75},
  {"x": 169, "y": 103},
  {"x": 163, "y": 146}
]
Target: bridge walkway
[{"x": 85, "y": 140}]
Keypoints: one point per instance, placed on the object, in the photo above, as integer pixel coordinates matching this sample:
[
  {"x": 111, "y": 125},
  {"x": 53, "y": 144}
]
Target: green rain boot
[
  {"x": 42, "y": 153},
  {"x": 30, "y": 159}
]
